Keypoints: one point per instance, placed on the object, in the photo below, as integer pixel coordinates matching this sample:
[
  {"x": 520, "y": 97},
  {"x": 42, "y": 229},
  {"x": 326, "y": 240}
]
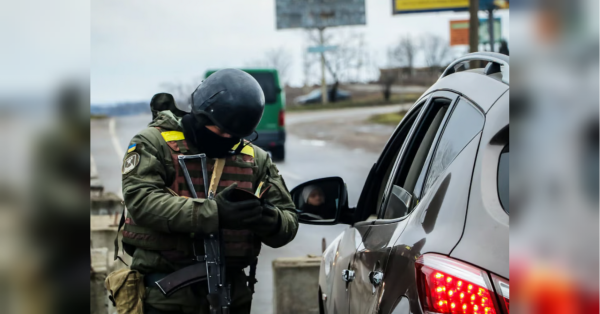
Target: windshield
[{"x": 267, "y": 83}]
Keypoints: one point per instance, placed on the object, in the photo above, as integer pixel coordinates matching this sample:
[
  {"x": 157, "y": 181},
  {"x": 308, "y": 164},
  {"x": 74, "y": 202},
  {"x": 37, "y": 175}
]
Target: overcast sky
[{"x": 137, "y": 45}]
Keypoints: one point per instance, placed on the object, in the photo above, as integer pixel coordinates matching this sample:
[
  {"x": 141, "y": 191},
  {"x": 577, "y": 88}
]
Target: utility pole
[
  {"x": 474, "y": 29},
  {"x": 323, "y": 82},
  {"x": 491, "y": 27}
]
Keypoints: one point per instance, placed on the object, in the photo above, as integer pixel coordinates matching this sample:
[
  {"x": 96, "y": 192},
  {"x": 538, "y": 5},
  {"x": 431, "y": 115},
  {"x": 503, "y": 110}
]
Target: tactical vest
[{"x": 241, "y": 246}]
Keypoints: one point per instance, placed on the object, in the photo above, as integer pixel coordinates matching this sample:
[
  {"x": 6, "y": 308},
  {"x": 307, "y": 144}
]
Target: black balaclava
[{"x": 213, "y": 145}]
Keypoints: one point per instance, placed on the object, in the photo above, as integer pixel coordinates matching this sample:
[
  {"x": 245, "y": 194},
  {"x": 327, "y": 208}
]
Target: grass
[
  {"x": 98, "y": 116},
  {"x": 392, "y": 118},
  {"x": 376, "y": 100}
]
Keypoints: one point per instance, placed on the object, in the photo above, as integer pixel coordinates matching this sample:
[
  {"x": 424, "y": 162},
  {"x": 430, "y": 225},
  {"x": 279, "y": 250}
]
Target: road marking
[
  {"x": 115, "y": 139},
  {"x": 116, "y": 145}
]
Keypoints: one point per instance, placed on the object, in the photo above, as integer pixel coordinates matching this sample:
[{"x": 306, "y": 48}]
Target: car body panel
[
  {"x": 480, "y": 89},
  {"x": 330, "y": 276},
  {"x": 372, "y": 255},
  {"x": 435, "y": 225},
  {"x": 487, "y": 223},
  {"x": 459, "y": 216}
]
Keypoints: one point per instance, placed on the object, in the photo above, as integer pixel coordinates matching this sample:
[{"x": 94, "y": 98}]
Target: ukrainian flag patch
[{"x": 131, "y": 148}]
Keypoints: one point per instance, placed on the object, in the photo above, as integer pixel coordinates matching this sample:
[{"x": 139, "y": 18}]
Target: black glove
[
  {"x": 235, "y": 215},
  {"x": 268, "y": 223}
]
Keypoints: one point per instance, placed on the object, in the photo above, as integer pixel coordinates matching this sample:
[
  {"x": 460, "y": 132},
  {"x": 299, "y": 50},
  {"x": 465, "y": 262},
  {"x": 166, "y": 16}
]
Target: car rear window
[
  {"x": 503, "y": 179},
  {"x": 267, "y": 83}
]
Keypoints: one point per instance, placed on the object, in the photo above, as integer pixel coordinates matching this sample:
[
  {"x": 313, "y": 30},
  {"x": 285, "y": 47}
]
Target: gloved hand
[
  {"x": 268, "y": 223},
  {"x": 235, "y": 215}
]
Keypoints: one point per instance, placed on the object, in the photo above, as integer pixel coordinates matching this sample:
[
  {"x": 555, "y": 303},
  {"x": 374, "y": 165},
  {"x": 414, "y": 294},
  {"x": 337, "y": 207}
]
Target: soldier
[{"x": 162, "y": 216}]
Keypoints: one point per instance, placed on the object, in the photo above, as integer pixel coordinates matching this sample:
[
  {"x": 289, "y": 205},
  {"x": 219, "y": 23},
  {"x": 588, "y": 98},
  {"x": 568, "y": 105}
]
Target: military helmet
[{"x": 231, "y": 99}]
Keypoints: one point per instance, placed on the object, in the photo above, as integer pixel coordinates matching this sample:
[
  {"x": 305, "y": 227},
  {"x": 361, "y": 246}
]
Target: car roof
[
  {"x": 480, "y": 89},
  {"x": 483, "y": 86}
]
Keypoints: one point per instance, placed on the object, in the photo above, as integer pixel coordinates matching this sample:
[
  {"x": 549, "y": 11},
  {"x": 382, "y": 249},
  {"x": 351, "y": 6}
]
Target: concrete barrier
[
  {"x": 98, "y": 295},
  {"x": 102, "y": 234},
  {"x": 296, "y": 285}
]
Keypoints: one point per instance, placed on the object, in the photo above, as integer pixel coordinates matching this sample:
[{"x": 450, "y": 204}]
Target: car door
[
  {"x": 436, "y": 223},
  {"x": 371, "y": 257}
]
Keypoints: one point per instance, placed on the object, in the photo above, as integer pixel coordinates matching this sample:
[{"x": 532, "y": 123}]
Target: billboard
[
  {"x": 418, "y": 6},
  {"x": 319, "y": 13},
  {"x": 459, "y": 32}
]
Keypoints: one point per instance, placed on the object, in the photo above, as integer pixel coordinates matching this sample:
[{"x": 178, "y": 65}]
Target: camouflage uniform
[{"x": 159, "y": 224}]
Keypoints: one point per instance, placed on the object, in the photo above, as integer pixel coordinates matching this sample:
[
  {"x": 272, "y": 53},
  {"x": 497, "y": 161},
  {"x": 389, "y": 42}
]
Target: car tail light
[
  {"x": 281, "y": 119},
  {"x": 502, "y": 286},
  {"x": 449, "y": 286}
]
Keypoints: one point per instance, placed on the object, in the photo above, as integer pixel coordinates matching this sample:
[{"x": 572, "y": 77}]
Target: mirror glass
[{"x": 318, "y": 200}]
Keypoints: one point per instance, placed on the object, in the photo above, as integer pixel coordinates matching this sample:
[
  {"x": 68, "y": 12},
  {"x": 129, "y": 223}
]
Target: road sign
[
  {"x": 319, "y": 13},
  {"x": 418, "y": 6},
  {"x": 484, "y": 33},
  {"x": 459, "y": 32},
  {"x": 320, "y": 49}
]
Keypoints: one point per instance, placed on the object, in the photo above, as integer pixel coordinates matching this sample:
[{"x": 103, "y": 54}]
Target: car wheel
[{"x": 278, "y": 153}]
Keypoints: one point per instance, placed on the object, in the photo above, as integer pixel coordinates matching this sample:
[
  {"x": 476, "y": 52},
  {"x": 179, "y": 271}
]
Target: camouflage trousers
[{"x": 192, "y": 299}]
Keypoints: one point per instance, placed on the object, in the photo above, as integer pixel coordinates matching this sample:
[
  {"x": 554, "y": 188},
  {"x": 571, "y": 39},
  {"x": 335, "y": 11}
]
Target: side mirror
[{"x": 320, "y": 201}]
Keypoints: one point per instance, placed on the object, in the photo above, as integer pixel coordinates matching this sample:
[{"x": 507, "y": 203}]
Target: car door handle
[
  {"x": 348, "y": 275},
  {"x": 376, "y": 277}
]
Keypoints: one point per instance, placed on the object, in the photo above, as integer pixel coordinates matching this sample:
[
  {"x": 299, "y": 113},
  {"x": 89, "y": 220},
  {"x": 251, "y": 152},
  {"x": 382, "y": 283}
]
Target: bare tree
[
  {"x": 405, "y": 53},
  {"x": 277, "y": 58},
  {"x": 436, "y": 51},
  {"x": 182, "y": 92}
]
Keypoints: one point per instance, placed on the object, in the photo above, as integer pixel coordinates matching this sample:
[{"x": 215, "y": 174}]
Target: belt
[{"x": 169, "y": 283}]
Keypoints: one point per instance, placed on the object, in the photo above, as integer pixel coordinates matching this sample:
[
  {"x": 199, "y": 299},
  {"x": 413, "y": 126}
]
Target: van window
[{"x": 267, "y": 83}]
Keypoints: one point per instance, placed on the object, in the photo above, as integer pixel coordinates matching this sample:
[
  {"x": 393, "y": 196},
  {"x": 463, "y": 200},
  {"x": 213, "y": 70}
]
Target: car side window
[
  {"x": 463, "y": 125},
  {"x": 414, "y": 159},
  {"x": 393, "y": 151},
  {"x": 503, "y": 179}
]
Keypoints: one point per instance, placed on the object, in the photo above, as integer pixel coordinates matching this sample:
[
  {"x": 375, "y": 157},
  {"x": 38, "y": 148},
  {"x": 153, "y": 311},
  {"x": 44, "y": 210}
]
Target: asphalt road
[{"x": 305, "y": 160}]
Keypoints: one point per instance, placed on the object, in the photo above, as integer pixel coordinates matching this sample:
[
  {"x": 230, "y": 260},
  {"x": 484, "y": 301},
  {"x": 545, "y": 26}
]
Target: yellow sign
[
  {"x": 501, "y": 4},
  {"x": 412, "y": 6}
]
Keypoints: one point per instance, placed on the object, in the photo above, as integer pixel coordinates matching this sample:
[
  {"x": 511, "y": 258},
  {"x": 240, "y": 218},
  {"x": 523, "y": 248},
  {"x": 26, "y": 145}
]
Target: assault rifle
[{"x": 219, "y": 292}]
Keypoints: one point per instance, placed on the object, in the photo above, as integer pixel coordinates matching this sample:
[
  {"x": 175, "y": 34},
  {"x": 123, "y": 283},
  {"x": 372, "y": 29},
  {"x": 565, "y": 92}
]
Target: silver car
[{"x": 430, "y": 231}]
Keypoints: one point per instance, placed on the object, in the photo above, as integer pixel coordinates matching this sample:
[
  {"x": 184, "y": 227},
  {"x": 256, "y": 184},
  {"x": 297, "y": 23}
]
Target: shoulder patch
[
  {"x": 131, "y": 162},
  {"x": 131, "y": 148},
  {"x": 172, "y": 136}
]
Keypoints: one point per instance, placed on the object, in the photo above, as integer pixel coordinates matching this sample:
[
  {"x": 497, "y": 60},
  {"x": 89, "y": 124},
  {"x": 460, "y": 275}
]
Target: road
[{"x": 305, "y": 160}]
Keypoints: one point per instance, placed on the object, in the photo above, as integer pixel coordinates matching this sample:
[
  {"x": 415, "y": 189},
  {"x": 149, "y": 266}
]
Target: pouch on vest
[{"x": 126, "y": 291}]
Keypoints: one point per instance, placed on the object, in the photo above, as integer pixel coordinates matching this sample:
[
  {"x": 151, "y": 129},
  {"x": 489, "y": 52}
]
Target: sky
[{"x": 139, "y": 45}]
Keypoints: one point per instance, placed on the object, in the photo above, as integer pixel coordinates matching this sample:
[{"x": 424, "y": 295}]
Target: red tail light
[
  {"x": 449, "y": 286},
  {"x": 502, "y": 286},
  {"x": 281, "y": 118}
]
